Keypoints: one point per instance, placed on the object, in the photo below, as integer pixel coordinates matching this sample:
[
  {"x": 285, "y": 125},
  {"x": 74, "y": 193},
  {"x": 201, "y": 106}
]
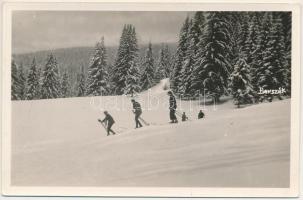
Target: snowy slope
[{"x": 60, "y": 143}]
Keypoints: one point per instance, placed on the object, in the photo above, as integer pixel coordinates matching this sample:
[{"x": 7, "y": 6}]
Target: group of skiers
[{"x": 137, "y": 110}]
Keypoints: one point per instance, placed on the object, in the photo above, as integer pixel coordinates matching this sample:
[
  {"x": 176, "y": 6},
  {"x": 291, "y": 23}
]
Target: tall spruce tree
[
  {"x": 215, "y": 56},
  {"x": 22, "y": 81},
  {"x": 50, "y": 87},
  {"x": 148, "y": 74},
  {"x": 15, "y": 84},
  {"x": 269, "y": 58},
  {"x": 81, "y": 83},
  {"x": 97, "y": 80},
  {"x": 240, "y": 83},
  {"x": 250, "y": 48},
  {"x": 193, "y": 54},
  {"x": 176, "y": 76},
  {"x": 32, "y": 91},
  {"x": 126, "y": 59},
  {"x": 286, "y": 18},
  {"x": 166, "y": 61},
  {"x": 65, "y": 85},
  {"x": 163, "y": 69},
  {"x": 273, "y": 56},
  {"x": 132, "y": 80}
]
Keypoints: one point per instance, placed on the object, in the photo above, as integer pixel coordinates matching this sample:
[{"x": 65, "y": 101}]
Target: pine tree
[
  {"x": 97, "y": 80},
  {"x": 214, "y": 59},
  {"x": 22, "y": 81},
  {"x": 238, "y": 29},
  {"x": 249, "y": 49},
  {"x": 132, "y": 80},
  {"x": 188, "y": 86},
  {"x": 40, "y": 80},
  {"x": 269, "y": 71},
  {"x": 148, "y": 75},
  {"x": 15, "y": 84},
  {"x": 274, "y": 57},
  {"x": 240, "y": 84},
  {"x": 176, "y": 75},
  {"x": 81, "y": 83},
  {"x": 33, "y": 77},
  {"x": 163, "y": 69},
  {"x": 195, "y": 48},
  {"x": 65, "y": 85},
  {"x": 166, "y": 61},
  {"x": 287, "y": 25},
  {"x": 126, "y": 57},
  {"x": 50, "y": 83}
]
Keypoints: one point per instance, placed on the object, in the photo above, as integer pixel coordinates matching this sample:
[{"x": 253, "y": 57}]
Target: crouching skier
[
  {"x": 184, "y": 117},
  {"x": 137, "y": 111},
  {"x": 201, "y": 114},
  {"x": 110, "y": 122}
]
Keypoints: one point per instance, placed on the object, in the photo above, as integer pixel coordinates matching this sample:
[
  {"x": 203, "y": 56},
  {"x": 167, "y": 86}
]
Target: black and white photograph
[{"x": 152, "y": 99}]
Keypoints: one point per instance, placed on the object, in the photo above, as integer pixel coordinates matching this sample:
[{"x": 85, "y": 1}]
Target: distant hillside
[{"x": 73, "y": 58}]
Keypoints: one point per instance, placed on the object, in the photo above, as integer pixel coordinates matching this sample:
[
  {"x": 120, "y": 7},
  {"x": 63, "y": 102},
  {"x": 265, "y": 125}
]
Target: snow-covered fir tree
[
  {"x": 15, "y": 84},
  {"x": 242, "y": 37},
  {"x": 147, "y": 79},
  {"x": 97, "y": 80},
  {"x": 287, "y": 25},
  {"x": 33, "y": 88},
  {"x": 249, "y": 49},
  {"x": 274, "y": 55},
  {"x": 132, "y": 80},
  {"x": 65, "y": 85},
  {"x": 81, "y": 83},
  {"x": 126, "y": 57},
  {"x": 176, "y": 76},
  {"x": 22, "y": 81},
  {"x": 166, "y": 60},
  {"x": 163, "y": 69},
  {"x": 50, "y": 87},
  {"x": 189, "y": 80},
  {"x": 215, "y": 61},
  {"x": 238, "y": 31},
  {"x": 269, "y": 58},
  {"x": 192, "y": 63},
  {"x": 240, "y": 84}
]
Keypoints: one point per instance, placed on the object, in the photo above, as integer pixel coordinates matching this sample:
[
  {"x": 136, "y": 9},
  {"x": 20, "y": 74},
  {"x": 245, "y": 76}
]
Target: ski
[{"x": 144, "y": 122}]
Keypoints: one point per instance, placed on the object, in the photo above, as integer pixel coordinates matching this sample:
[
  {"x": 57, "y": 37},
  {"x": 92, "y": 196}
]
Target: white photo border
[{"x": 149, "y": 5}]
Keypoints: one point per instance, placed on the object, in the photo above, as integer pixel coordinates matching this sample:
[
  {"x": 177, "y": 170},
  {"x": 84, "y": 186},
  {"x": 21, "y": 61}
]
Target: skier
[
  {"x": 201, "y": 115},
  {"x": 172, "y": 107},
  {"x": 110, "y": 121},
  {"x": 184, "y": 117},
  {"x": 137, "y": 111}
]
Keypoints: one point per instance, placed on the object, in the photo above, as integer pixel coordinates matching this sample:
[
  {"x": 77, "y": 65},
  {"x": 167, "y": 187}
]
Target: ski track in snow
[{"x": 61, "y": 143}]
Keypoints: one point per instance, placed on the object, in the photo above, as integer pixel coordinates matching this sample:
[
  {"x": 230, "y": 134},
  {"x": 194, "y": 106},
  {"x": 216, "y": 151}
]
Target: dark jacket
[
  {"x": 184, "y": 117},
  {"x": 109, "y": 119},
  {"x": 137, "y": 107},
  {"x": 172, "y": 102},
  {"x": 200, "y": 115}
]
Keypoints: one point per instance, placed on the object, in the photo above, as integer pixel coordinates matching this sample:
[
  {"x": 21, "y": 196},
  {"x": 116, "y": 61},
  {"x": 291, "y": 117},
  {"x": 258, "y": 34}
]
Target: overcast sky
[{"x": 43, "y": 30}]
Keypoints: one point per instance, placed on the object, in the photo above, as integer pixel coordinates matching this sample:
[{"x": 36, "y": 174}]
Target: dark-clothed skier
[
  {"x": 184, "y": 117},
  {"x": 172, "y": 107},
  {"x": 110, "y": 121},
  {"x": 201, "y": 115},
  {"x": 137, "y": 111}
]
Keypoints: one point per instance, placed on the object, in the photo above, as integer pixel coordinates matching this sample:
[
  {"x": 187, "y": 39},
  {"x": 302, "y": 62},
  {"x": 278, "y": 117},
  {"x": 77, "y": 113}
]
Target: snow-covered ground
[{"x": 60, "y": 143}]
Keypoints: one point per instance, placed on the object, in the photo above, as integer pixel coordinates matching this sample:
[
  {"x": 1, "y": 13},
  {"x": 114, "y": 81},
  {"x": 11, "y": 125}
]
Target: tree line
[
  {"x": 218, "y": 53},
  {"x": 129, "y": 74},
  {"x": 233, "y": 53}
]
